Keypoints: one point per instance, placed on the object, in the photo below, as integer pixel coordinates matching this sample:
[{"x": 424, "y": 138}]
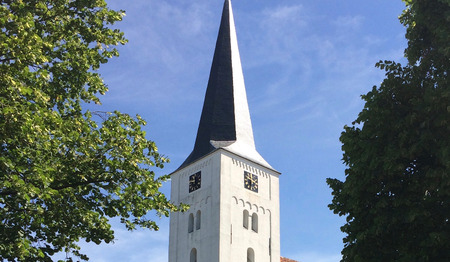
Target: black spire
[{"x": 225, "y": 120}]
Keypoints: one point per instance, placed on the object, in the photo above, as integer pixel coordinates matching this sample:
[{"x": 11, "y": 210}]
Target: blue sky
[{"x": 305, "y": 64}]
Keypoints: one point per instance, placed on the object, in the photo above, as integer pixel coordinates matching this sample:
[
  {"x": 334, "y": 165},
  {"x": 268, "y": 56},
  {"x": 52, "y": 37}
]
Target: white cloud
[
  {"x": 301, "y": 53},
  {"x": 283, "y": 28},
  {"x": 142, "y": 245},
  {"x": 165, "y": 53},
  {"x": 285, "y": 14},
  {"x": 167, "y": 34},
  {"x": 349, "y": 22}
]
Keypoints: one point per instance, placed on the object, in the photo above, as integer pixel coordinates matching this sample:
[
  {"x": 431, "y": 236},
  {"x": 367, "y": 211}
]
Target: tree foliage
[
  {"x": 65, "y": 171},
  {"x": 396, "y": 194}
]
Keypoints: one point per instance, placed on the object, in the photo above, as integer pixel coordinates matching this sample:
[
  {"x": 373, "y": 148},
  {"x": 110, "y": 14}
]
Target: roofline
[{"x": 221, "y": 148}]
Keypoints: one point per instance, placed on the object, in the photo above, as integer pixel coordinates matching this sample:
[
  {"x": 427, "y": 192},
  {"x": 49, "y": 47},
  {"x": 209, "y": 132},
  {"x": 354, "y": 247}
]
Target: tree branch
[
  {"x": 61, "y": 187},
  {"x": 81, "y": 183},
  {"x": 7, "y": 59}
]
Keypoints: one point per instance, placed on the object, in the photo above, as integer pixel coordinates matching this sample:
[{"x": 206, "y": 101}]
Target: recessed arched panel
[
  {"x": 245, "y": 217},
  {"x": 191, "y": 223},
  {"x": 198, "y": 220},
  {"x": 250, "y": 255},
  {"x": 193, "y": 255},
  {"x": 255, "y": 222}
]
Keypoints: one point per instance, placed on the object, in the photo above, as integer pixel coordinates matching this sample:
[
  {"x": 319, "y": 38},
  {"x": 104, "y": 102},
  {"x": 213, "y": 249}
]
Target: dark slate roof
[{"x": 225, "y": 120}]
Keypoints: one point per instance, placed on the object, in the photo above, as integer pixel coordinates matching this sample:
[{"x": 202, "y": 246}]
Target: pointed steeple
[{"x": 225, "y": 121}]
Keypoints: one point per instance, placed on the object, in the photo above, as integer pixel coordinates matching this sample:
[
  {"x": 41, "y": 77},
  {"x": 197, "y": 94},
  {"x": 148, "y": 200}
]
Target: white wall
[{"x": 222, "y": 199}]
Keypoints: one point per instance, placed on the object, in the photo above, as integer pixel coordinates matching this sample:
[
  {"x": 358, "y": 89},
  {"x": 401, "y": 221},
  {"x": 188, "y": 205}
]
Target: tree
[
  {"x": 396, "y": 194},
  {"x": 64, "y": 170}
]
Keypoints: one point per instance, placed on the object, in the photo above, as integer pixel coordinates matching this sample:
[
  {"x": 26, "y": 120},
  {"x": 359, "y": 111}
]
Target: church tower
[{"x": 233, "y": 193}]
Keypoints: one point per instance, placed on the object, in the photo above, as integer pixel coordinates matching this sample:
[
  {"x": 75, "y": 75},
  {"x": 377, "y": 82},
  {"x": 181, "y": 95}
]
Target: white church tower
[{"x": 233, "y": 193}]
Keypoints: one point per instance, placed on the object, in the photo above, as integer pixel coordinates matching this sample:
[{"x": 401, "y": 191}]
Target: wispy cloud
[
  {"x": 137, "y": 246},
  {"x": 167, "y": 33},
  {"x": 302, "y": 54},
  {"x": 129, "y": 246},
  {"x": 165, "y": 52},
  {"x": 284, "y": 14},
  {"x": 280, "y": 31},
  {"x": 349, "y": 22}
]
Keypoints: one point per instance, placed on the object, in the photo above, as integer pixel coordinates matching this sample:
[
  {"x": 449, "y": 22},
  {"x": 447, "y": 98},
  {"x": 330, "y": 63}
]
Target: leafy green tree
[
  {"x": 65, "y": 171},
  {"x": 396, "y": 194}
]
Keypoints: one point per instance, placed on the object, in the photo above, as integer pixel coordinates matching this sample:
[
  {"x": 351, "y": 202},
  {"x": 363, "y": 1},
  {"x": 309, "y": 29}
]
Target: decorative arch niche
[
  {"x": 193, "y": 256},
  {"x": 250, "y": 255},
  {"x": 191, "y": 223}
]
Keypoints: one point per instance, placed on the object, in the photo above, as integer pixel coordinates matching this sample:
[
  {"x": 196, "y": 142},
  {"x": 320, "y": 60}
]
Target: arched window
[
  {"x": 191, "y": 223},
  {"x": 245, "y": 221},
  {"x": 198, "y": 220},
  {"x": 193, "y": 255},
  {"x": 255, "y": 222},
  {"x": 250, "y": 255}
]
